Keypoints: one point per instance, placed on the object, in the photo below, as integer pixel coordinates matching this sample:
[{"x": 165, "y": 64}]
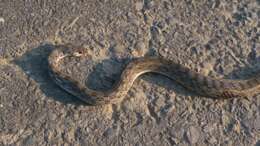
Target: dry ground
[{"x": 215, "y": 37}]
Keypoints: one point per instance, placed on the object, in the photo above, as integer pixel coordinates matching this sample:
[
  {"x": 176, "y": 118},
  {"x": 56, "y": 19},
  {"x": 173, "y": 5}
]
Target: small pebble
[
  {"x": 2, "y": 20},
  {"x": 139, "y": 6},
  {"x": 193, "y": 135},
  {"x": 207, "y": 67}
]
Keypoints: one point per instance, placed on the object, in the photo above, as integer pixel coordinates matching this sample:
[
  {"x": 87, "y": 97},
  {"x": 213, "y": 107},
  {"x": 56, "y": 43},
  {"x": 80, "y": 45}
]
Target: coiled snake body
[{"x": 202, "y": 85}]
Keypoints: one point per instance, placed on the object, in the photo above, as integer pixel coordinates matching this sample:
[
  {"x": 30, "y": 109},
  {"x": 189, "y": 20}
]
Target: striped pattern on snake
[{"x": 202, "y": 85}]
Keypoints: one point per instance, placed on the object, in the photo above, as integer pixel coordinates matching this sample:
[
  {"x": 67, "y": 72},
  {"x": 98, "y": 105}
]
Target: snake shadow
[{"x": 34, "y": 64}]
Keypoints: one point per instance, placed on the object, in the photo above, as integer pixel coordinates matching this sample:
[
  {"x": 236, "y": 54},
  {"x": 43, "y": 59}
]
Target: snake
[{"x": 194, "y": 81}]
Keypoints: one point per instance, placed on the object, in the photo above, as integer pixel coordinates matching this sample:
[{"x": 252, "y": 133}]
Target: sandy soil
[{"x": 216, "y": 38}]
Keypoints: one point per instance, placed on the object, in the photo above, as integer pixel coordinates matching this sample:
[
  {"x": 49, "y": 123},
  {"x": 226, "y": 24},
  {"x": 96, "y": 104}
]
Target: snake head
[{"x": 72, "y": 50}]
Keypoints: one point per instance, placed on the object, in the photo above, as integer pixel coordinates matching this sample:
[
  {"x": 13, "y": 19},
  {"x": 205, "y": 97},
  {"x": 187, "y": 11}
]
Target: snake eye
[{"x": 80, "y": 52}]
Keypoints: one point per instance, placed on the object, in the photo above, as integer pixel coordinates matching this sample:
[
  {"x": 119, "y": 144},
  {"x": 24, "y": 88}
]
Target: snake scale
[{"x": 198, "y": 83}]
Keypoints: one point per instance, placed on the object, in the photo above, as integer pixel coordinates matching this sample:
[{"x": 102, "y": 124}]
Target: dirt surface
[{"x": 216, "y": 38}]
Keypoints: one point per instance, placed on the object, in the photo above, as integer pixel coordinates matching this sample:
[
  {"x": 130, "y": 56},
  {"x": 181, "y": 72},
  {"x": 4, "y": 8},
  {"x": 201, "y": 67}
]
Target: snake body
[{"x": 202, "y": 85}]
